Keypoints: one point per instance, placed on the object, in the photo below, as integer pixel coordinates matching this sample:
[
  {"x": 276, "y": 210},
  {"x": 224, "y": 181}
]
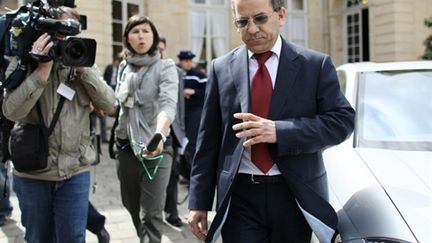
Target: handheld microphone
[{"x": 154, "y": 142}]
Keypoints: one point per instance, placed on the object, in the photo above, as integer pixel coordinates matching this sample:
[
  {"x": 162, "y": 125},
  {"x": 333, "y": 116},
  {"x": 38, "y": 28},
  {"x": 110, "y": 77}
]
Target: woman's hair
[{"x": 138, "y": 20}]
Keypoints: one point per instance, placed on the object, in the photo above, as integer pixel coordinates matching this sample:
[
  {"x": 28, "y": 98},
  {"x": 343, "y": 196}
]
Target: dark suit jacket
[
  {"x": 178, "y": 125},
  {"x": 107, "y": 75},
  {"x": 310, "y": 114}
]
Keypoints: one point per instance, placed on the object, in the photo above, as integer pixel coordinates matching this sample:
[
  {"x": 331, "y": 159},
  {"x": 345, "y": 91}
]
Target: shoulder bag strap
[
  {"x": 58, "y": 109},
  {"x": 112, "y": 135},
  {"x": 116, "y": 121}
]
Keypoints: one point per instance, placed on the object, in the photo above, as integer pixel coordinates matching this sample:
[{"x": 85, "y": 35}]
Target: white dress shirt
[{"x": 246, "y": 164}]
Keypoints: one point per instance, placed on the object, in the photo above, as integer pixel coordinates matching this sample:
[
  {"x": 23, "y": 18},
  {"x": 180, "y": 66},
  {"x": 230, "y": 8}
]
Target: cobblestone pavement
[{"x": 107, "y": 200}]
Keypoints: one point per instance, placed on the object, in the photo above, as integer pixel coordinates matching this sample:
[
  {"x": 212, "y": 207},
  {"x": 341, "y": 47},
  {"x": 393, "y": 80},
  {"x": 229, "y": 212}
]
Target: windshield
[{"x": 394, "y": 110}]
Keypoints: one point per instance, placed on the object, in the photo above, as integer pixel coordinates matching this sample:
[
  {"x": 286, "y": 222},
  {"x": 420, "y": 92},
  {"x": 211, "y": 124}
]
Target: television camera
[{"x": 20, "y": 28}]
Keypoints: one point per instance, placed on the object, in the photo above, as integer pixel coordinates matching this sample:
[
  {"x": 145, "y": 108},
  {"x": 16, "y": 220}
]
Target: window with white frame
[
  {"x": 122, "y": 10},
  {"x": 208, "y": 25},
  {"x": 356, "y": 31},
  {"x": 295, "y": 27}
]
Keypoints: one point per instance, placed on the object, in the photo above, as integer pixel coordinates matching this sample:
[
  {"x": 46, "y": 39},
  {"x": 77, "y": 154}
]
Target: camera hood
[
  {"x": 59, "y": 3},
  {"x": 65, "y": 27}
]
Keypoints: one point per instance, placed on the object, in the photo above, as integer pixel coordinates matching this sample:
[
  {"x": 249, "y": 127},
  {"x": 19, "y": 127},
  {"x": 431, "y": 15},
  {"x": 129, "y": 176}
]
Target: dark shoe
[
  {"x": 103, "y": 236},
  {"x": 174, "y": 221},
  {"x": 184, "y": 181}
]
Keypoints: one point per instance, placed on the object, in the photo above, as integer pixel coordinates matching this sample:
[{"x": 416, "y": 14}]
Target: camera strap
[
  {"x": 116, "y": 121},
  {"x": 58, "y": 109}
]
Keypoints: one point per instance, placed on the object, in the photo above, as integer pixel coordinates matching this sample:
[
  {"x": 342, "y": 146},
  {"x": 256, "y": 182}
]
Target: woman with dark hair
[{"x": 147, "y": 88}]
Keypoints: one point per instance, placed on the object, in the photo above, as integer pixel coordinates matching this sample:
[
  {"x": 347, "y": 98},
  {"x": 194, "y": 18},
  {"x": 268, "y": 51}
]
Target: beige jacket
[{"x": 70, "y": 149}]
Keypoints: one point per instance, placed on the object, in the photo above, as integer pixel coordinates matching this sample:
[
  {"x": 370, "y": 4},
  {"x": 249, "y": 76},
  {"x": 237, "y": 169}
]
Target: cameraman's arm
[
  {"x": 100, "y": 93},
  {"x": 19, "y": 102}
]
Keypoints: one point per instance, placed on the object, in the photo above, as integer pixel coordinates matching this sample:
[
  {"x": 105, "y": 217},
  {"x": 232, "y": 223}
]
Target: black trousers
[
  {"x": 264, "y": 213},
  {"x": 172, "y": 190},
  {"x": 95, "y": 220}
]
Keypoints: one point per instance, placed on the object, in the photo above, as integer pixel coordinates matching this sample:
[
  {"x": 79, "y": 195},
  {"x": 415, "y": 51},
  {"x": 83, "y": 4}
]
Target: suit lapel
[
  {"x": 289, "y": 65},
  {"x": 239, "y": 69}
]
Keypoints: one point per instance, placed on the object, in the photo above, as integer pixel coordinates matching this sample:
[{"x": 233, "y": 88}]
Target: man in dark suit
[
  {"x": 178, "y": 135},
  {"x": 194, "y": 88},
  {"x": 270, "y": 110},
  {"x": 110, "y": 73}
]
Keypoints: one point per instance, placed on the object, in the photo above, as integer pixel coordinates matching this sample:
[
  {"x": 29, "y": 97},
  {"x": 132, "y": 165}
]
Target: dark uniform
[{"x": 194, "y": 79}]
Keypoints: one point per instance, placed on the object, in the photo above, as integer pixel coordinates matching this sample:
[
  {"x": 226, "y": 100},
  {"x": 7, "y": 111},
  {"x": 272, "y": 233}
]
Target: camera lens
[{"x": 76, "y": 50}]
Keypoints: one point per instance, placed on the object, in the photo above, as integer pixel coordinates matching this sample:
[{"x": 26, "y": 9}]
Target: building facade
[{"x": 349, "y": 30}]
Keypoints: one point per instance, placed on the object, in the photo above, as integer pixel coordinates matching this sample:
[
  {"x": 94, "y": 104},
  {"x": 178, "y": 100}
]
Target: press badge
[{"x": 66, "y": 91}]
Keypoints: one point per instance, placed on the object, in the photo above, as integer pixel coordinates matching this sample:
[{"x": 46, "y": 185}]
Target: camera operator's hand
[{"x": 41, "y": 47}]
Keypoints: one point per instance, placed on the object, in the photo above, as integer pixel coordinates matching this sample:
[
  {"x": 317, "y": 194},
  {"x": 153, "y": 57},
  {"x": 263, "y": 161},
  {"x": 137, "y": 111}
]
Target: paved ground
[{"x": 107, "y": 200}]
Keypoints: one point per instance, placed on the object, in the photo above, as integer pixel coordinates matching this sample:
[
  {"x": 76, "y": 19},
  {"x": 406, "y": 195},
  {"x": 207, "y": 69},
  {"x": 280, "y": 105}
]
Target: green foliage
[{"x": 428, "y": 42}]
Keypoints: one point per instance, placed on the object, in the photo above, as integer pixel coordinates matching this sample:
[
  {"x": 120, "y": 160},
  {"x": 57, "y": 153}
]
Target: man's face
[
  {"x": 162, "y": 49},
  {"x": 259, "y": 37},
  {"x": 186, "y": 64}
]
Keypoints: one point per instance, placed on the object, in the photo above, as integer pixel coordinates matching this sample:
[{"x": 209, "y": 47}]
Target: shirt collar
[{"x": 276, "y": 49}]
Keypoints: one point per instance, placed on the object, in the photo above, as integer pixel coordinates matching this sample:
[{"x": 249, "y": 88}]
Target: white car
[{"x": 380, "y": 179}]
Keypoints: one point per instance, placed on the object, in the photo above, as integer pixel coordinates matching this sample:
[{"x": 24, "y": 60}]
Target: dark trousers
[
  {"x": 5, "y": 203},
  {"x": 172, "y": 191},
  {"x": 144, "y": 198},
  {"x": 264, "y": 213},
  {"x": 103, "y": 127},
  {"x": 192, "y": 123},
  {"x": 95, "y": 220}
]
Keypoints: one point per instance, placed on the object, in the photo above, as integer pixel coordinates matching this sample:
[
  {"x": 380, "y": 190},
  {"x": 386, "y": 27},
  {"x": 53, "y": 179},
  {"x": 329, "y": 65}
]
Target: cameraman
[{"x": 54, "y": 201}]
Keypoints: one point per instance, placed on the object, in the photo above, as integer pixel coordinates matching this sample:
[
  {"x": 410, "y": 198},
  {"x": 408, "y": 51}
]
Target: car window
[{"x": 394, "y": 110}]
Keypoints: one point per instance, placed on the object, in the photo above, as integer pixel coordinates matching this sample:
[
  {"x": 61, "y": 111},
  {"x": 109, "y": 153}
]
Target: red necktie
[{"x": 262, "y": 91}]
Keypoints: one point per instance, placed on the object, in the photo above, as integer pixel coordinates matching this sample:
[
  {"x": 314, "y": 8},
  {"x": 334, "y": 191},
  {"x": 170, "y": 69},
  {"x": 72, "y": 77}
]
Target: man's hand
[
  {"x": 99, "y": 112},
  {"x": 256, "y": 129},
  {"x": 198, "y": 223},
  {"x": 188, "y": 93}
]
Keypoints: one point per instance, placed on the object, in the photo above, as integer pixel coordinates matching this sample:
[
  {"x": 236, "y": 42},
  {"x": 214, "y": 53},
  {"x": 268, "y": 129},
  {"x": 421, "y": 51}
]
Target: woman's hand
[{"x": 147, "y": 154}]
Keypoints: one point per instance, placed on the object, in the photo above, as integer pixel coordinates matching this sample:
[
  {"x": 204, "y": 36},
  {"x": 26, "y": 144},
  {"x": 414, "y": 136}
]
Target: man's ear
[{"x": 282, "y": 14}]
